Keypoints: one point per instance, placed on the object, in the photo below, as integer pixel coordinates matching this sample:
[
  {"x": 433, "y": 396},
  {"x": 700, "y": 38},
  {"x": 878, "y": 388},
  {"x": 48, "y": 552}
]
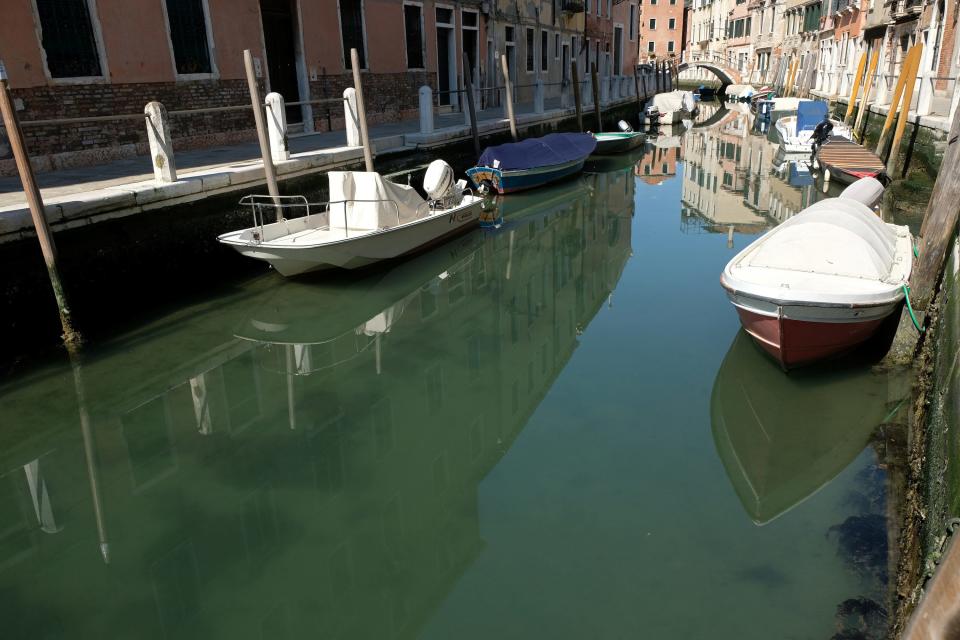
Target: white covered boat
[
  {"x": 823, "y": 281},
  {"x": 670, "y": 108},
  {"x": 796, "y": 133},
  {"x": 368, "y": 219}
]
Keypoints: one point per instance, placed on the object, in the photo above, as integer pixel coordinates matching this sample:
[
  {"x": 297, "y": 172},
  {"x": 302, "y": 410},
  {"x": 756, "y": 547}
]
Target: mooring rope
[{"x": 906, "y": 293}]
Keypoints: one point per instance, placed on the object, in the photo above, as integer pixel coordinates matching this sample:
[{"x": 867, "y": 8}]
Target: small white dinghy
[
  {"x": 823, "y": 281},
  {"x": 368, "y": 219}
]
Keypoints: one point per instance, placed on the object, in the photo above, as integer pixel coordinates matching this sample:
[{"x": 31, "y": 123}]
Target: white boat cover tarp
[
  {"x": 371, "y": 202},
  {"x": 674, "y": 101},
  {"x": 836, "y": 236}
]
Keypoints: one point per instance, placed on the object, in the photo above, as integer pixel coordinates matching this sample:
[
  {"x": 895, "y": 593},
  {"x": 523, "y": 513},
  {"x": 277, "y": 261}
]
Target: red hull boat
[{"x": 824, "y": 281}]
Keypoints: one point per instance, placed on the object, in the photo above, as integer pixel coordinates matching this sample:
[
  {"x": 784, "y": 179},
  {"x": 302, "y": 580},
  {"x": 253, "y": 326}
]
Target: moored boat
[
  {"x": 670, "y": 108},
  {"x": 531, "y": 163},
  {"x": 822, "y": 282},
  {"x": 617, "y": 142},
  {"x": 847, "y": 161},
  {"x": 797, "y": 132},
  {"x": 367, "y": 220}
]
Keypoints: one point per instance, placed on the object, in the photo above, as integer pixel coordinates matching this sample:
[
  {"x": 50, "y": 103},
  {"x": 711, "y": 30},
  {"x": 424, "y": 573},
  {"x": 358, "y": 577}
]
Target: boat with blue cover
[
  {"x": 531, "y": 163},
  {"x": 797, "y": 132}
]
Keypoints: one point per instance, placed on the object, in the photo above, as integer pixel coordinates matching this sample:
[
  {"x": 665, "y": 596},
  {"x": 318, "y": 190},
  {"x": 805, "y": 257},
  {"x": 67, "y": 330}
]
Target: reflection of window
[
  {"x": 440, "y": 478},
  {"x": 428, "y": 302},
  {"x": 650, "y": 46},
  {"x": 15, "y": 541},
  {"x": 383, "y": 427},
  {"x": 476, "y": 439},
  {"x": 149, "y": 444},
  {"x": 242, "y": 384},
  {"x": 455, "y": 287},
  {"x": 473, "y": 353},
  {"x": 188, "y": 36},
  {"x": 259, "y": 522},
  {"x": 68, "y": 38},
  {"x": 325, "y": 451},
  {"x": 434, "y": 383},
  {"x": 176, "y": 587}
]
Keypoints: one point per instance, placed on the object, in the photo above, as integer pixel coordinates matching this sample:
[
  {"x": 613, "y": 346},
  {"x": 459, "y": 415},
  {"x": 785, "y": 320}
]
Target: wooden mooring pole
[
  {"x": 893, "y": 159},
  {"x": 473, "y": 111},
  {"x": 508, "y": 88},
  {"x": 361, "y": 110},
  {"x": 575, "y": 74},
  {"x": 37, "y": 212},
  {"x": 894, "y": 102},
  {"x": 867, "y": 89},
  {"x": 259, "y": 120},
  {"x": 596, "y": 96},
  {"x": 856, "y": 88}
]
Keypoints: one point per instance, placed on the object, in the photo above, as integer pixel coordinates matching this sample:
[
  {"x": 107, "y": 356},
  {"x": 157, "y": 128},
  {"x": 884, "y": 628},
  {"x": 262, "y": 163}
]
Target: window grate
[
  {"x": 68, "y": 40},
  {"x": 188, "y": 33}
]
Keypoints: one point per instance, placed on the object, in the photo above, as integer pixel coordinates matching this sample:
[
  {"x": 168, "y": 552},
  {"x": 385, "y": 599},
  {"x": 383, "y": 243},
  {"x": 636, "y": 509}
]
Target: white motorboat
[
  {"x": 670, "y": 108},
  {"x": 796, "y": 133},
  {"x": 823, "y": 281},
  {"x": 368, "y": 219}
]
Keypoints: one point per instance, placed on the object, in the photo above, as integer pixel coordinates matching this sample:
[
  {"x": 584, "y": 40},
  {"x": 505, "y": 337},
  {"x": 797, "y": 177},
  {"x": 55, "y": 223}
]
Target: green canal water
[{"x": 555, "y": 429}]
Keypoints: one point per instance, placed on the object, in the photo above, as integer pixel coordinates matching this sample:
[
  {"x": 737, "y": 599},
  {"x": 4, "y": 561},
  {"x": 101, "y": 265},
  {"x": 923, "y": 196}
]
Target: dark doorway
[
  {"x": 279, "y": 35},
  {"x": 444, "y": 37}
]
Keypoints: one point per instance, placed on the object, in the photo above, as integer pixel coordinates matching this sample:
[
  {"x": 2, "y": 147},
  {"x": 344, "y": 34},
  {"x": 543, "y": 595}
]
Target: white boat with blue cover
[
  {"x": 797, "y": 132},
  {"x": 531, "y": 163}
]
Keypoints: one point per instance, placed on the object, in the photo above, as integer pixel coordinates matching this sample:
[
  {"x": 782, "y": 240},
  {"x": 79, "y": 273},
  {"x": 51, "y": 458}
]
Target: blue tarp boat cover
[
  {"x": 810, "y": 114},
  {"x": 554, "y": 148}
]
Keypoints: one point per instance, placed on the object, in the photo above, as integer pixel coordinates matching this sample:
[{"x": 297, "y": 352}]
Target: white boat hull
[{"x": 361, "y": 250}]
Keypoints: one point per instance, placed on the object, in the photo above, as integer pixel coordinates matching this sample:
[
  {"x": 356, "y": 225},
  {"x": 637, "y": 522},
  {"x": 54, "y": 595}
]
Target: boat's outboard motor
[
  {"x": 866, "y": 191},
  {"x": 653, "y": 114},
  {"x": 822, "y": 133},
  {"x": 439, "y": 184},
  {"x": 625, "y": 126}
]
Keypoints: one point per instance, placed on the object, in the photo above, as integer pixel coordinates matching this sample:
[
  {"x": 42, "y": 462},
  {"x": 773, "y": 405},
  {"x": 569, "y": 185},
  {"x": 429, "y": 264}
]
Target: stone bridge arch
[{"x": 725, "y": 74}]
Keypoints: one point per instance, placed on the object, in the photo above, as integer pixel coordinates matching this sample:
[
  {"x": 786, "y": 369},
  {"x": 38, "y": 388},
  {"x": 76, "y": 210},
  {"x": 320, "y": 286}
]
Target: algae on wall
[{"x": 942, "y": 463}]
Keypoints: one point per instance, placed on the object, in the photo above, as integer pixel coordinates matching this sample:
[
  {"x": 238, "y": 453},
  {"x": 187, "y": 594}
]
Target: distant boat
[
  {"x": 368, "y": 219},
  {"x": 617, "y": 142},
  {"x": 531, "y": 163},
  {"x": 822, "y": 282},
  {"x": 797, "y": 132},
  {"x": 670, "y": 108},
  {"x": 847, "y": 161}
]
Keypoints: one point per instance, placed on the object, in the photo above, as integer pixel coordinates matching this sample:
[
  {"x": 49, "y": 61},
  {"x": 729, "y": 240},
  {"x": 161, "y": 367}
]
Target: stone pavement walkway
[{"x": 65, "y": 182}]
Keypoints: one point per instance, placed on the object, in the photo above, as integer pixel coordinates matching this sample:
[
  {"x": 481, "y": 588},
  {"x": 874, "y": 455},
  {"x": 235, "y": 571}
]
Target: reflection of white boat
[
  {"x": 672, "y": 107},
  {"x": 782, "y": 437},
  {"x": 797, "y": 132},
  {"x": 368, "y": 219}
]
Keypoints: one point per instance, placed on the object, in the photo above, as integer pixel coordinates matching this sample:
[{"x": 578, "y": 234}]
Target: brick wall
[
  {"x": 59, "y": 146},
  {"x": 390, "y": 97}
]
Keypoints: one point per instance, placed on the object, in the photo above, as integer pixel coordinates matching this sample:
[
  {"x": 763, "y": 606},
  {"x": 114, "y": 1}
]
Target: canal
[{"x": 551, "y": 429}]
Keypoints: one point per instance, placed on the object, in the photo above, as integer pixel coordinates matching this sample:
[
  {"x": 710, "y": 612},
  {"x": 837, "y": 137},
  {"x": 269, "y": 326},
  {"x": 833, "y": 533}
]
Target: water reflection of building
[
  {"x": 658, "y": 163},
  {"x": 317, "y": 476},
  {"x": 726, "y": 175}
]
